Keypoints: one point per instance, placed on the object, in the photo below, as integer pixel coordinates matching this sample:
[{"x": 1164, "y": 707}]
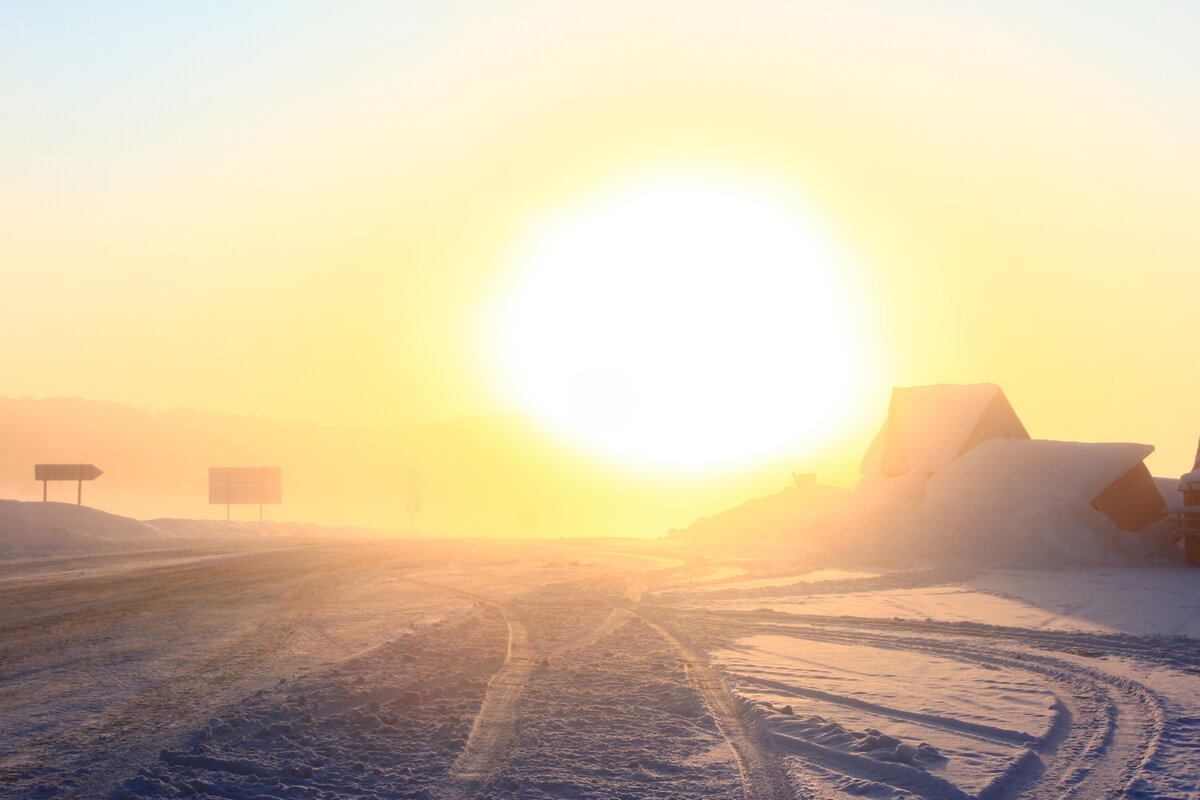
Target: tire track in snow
[
  {"x": 1182, "y": 652},
  {"x": 1107, "y": 728},
  {"x": 761, "y": 775},
  {"x": 959, "y": 726},
  {"x": 494, "y": 731},
  {"x": 615, "y": 619}
]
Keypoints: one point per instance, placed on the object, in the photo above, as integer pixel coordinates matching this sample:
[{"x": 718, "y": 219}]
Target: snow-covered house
[
  {"x": 1023, "y": 477},
  {"x": 928, "y": 427},
  {"x": 959, "y": 456}
]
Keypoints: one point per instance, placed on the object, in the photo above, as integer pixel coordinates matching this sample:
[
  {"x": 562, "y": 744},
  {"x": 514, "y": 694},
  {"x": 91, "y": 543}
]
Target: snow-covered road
[{"x": 565, "y": 669}]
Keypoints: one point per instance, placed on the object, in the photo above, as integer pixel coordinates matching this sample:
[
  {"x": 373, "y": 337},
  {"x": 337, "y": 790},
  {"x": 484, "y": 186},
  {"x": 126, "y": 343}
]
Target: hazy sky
[{"x": 300, "y": 210}]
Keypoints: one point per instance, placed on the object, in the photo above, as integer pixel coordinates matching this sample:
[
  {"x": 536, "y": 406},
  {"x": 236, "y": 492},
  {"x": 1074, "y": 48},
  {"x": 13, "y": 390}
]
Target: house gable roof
[{"x": 928, "y": 427}]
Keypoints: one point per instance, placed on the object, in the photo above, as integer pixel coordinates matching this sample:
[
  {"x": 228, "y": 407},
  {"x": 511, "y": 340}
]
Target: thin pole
[
  {"x": 44, "y": 491},
  {"x": 79, "y": 492}
]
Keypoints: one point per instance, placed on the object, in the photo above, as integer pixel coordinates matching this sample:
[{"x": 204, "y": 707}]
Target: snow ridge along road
[{"x": 761, "y": 777}]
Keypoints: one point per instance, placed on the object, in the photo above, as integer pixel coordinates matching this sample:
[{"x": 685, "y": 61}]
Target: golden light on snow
[{"x": 682, "y": 321}]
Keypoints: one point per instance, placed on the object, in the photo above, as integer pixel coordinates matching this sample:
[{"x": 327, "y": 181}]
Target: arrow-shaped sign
[{"x": 66, "y": 472}]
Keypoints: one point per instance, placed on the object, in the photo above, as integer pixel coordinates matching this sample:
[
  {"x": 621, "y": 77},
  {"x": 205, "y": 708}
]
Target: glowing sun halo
[{"x": 681, "y": 322}]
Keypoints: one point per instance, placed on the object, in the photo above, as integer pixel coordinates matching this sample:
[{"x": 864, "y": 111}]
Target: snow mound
[
  {"x": 763, "y": 520},
  {"x": 33, "y": 528},
  {"x": 56, "y": 527}
]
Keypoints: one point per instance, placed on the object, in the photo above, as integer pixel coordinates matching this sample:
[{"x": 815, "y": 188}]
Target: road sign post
[{"x": 66, "y": 472}]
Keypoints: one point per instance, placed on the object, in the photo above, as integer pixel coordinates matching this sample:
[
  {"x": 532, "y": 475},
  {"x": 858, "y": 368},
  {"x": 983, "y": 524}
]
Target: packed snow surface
[{"x": 586, "y": 669}]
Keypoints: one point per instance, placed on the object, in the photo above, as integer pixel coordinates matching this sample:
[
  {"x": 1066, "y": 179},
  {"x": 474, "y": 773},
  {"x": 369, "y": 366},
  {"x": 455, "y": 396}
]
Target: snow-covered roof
[
  {"x": 928, "y": 427},
  {"x": 1030, "y": 471},
  {"x": 1169, "y": 487}
]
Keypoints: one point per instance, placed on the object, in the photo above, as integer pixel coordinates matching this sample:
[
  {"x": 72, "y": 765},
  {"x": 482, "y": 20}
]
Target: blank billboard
[{"x": 245, "y": 485}]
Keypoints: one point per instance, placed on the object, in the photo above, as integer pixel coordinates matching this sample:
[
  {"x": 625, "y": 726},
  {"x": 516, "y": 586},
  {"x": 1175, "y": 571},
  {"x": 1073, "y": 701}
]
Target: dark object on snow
[{"x": 1186, "y": 519}]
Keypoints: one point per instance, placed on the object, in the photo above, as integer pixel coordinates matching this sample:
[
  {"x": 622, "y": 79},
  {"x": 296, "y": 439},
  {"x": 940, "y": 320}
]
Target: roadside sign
[
  {"x": 66, "y": 472},
  {"x": 245, "y": 486}
]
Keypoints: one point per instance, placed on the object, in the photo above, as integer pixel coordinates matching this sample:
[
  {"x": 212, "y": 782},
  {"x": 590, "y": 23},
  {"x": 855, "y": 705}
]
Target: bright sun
[{"x": 683, "y": 322}]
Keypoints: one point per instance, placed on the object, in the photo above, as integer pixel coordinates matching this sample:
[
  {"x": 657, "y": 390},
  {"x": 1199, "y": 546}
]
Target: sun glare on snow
[{"x": 681, "y": 322}]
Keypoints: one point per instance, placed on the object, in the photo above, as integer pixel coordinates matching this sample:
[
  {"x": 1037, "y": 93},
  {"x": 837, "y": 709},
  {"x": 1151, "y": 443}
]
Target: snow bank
[
  {"x": 56, "y": 527},
  {"x": 773, "y": 518},
  {"x": 32, "y": 528}
]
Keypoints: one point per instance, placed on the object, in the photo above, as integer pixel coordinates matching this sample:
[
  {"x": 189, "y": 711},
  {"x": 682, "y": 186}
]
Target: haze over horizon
[{"x": 690, "y": 242}]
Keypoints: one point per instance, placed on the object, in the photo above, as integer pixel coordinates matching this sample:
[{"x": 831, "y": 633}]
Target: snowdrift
[
  {"x": 59, "y": 527},
  {"x": 764, "y": 520},
  {"x": 35, "y": 528}
]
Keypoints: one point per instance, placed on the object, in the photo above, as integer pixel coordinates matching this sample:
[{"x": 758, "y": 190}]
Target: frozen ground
[{"x": 587, "y": 669}]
